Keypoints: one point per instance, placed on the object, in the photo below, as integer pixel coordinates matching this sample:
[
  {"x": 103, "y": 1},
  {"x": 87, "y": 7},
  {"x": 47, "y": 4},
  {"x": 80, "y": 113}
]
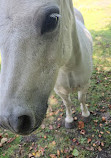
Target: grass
[{"x": 52, "y": 139}]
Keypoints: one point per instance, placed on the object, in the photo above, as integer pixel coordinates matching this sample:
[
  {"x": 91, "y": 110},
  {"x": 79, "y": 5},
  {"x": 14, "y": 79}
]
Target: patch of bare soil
[{"x": 105, "y": 154}]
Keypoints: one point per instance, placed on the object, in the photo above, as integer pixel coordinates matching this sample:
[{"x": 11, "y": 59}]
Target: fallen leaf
[
  {"x": 45, "y": 137},
  {"x": 33, "y": 154},
  {"x": 101, "y": 132},
  {"x": 61, "y": 151},
  {"x": 73, "y": 111},
  {"x": 93, "y": 135},
  {"x": 53, "y": 143},
  {"x": 89, "y": 140},
  {"x": 100, "y": 135},
  {"x": 99, "y": 148},
  {"x": 103, "y": 119},
  {"x": 11, "y": 140},
  {"x": 74, "y": 140},
  {"x": 50, "y": 127},
  {"x": 66, "y": 150},
  {"x": 53, "y": 101},
  {"x": 58, "y": 152},
  {"x": 94, "y": 145},
  {"x": 102, "y": 144},
  {"x": 3, "y": 140},
  {"x": 80, "y": 124},
  {"x": 53, "y": 156},
  {"x": 37, "y": 154},
  {"x": 108, "y": 132},
  {"x": 30, "y": 155},
  {"x": 51, "y": 113},
  {"x": 83, "y": 132},
  {"x": 56, "y": 113},
  {"x": 96, "y": 121},
  {"x": 59, "y": 125},
  {"x": 31, "y": 148},
  {"x": 33, "y": 144},
  {"x": 75, "y": 119},
  {"x": 90, "y": 148},
  {"x": 75, "y": 152},
  {"x": 42, "y": 150},
  {"x": 59, "y": 119},
  {"x": 100, "y": 125},
  {"x": 97, "y": 143}
]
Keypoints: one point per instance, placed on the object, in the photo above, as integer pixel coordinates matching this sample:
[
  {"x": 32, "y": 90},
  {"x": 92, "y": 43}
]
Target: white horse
[{"x": 44, "y": 43}]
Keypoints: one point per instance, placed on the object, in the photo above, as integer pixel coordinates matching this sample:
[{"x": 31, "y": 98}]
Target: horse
[{"x": 44, "y": 46}]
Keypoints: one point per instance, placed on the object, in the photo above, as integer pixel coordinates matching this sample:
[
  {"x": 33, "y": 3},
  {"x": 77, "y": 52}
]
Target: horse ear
[{"x": 70, "y": 38}]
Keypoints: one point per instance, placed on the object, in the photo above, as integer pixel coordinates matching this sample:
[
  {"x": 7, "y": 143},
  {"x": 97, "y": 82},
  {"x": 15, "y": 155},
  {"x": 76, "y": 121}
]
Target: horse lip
[{"x": 12, "y": 130}]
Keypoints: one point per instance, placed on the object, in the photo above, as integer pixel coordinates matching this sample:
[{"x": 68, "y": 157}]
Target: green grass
[
  {"x": 52, "y": 139},
  {"x": 97, "y": 16}
]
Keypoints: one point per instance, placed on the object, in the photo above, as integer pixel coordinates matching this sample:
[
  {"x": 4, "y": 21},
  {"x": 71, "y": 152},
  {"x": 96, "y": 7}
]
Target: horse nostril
[
  {"x": 24, "y": 123},
  {"x": 21, "y": 124}
]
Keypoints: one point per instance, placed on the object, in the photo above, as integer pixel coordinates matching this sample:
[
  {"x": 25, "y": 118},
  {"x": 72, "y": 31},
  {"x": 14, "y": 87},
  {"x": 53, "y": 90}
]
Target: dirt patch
[{"x": 105, "y": 154}]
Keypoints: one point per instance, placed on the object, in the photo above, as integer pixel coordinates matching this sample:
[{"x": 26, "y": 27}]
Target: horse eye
[{"x": 50, "y": 23}]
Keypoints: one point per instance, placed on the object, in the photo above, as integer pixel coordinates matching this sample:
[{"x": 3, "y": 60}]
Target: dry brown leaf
[
  {"x": 90, "y": 148},
  {"x": 3, "y": 140},
  {"x": 58, "y": 119},
  {"x": 45, "y": 137},
  {"x": 97, "y": 143},
  {"x": 61, "y": 151},
  {"x": 100, "y": 124},
  {"x": 95, "y": 121},
  {"x": 100, "y": 135},
  {"x": 11, "y": 140},
  {"x": 74, "y": 140},
  {"x": 58, "y": 152},
  {"x": 50, "y": 127},
  {"x": 94, "y": 145},
  {"x": 53, "y": 156},
  {"x": 37, "y": 154},
  {"x": 30, "y": 148},
  {"x": 102, "y": 144},
  {"x": 75, "y": 118},
  {"x": 83, "y": 132},
  {"x": 53, "y": 101},
  {"x": 101, "y": 132},
  {"x": 89, "y": 140},
  {"x": 103, "y": 119},
  {"x": 99, "y": 148},
  {"x": 53, "y": 143},
  {"x": 51, "y": 114},
  {"x": 80, "y": 124},
  {"x": 30, "y": 155},
  {"x": 108, "y": 132}
]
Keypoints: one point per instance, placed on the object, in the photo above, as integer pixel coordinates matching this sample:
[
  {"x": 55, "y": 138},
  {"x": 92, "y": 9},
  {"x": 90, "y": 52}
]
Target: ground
[{"x": 89, "y": 139}]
